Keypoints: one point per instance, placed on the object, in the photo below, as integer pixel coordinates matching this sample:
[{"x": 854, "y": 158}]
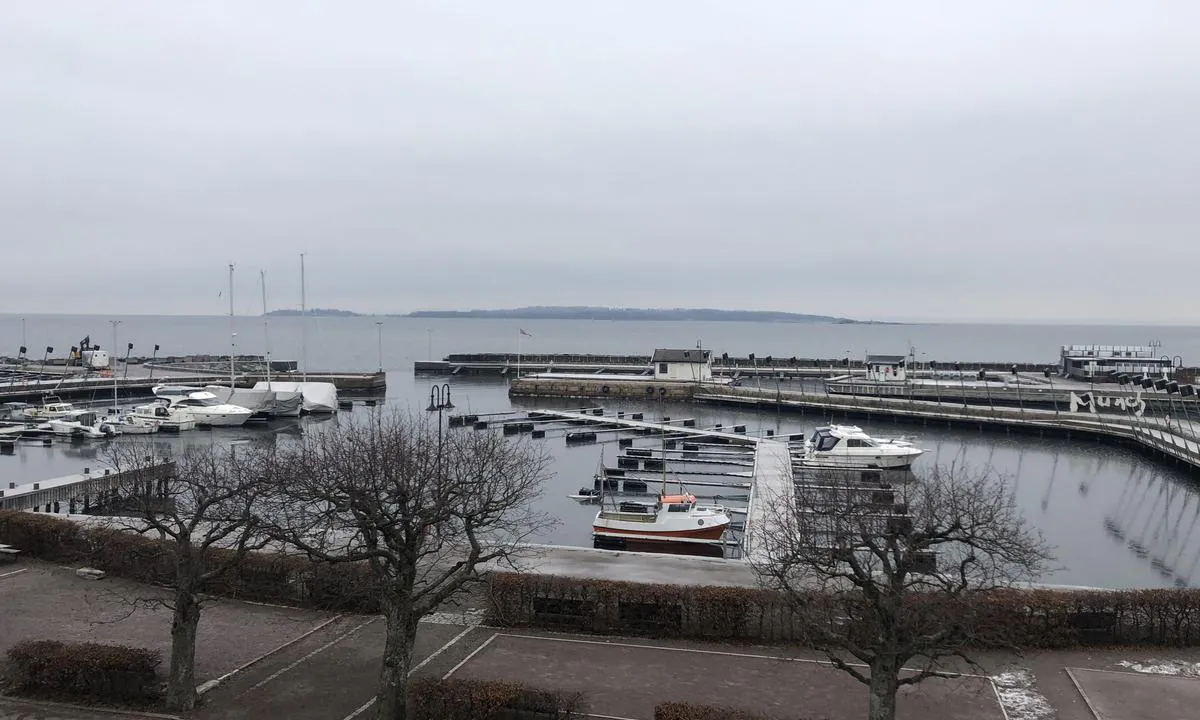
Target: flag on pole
[{"x": 525, "y": 333}]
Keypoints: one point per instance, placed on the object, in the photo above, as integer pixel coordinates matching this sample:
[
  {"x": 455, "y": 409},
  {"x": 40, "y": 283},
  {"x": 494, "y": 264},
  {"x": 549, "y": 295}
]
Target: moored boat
[
  {"x": 849, "y": 445},
  {"x": 670, "y": 517},
  {"x": 167, "y": 418}
]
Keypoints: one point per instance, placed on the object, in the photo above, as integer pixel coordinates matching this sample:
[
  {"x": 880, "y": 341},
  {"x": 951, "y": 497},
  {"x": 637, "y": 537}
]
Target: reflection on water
[{"x": 1117, "y": 518}]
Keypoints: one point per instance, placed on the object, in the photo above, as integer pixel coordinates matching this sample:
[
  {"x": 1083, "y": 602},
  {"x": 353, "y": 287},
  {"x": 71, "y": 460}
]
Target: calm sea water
[{"x": 1117, "y": 518}]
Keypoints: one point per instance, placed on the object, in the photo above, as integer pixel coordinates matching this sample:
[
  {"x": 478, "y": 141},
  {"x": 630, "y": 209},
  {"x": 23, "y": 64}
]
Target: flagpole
[{"x": 519, "y": 334}]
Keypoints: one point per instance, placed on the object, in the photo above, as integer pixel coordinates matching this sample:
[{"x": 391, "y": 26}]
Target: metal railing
[{"x": 1180, "y": 440}]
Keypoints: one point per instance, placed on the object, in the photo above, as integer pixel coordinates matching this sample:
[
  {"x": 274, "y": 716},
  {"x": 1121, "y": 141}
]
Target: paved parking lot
[
  {"x": 305, "y": 665},
  {"x": 626, "y": 679}
]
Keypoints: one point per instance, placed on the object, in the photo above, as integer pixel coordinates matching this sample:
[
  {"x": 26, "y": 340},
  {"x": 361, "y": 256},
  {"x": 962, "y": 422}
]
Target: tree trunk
[
  {"x": 885, "y": 681},
  {"x": 391, "y": 702},
  {"x": 181, "y": 685}
]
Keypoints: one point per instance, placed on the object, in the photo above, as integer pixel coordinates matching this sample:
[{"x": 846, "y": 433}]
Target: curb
[
  {"x": 213, "y": 684},
  {"x": 9, "y": 699}
]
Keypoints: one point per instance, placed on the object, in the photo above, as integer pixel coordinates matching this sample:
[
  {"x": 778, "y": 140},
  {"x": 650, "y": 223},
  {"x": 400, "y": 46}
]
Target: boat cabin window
[
  {"x": 859, "y": 442},
  {"x": 824, "y": 442},
  {"x": 679, "y": 507}
]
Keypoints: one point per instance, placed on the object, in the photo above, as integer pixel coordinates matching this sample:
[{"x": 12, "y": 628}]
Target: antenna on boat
[
  {"x": 303, "y": 326},
  {"x": 262, "y": 281},
  {"x": 232, "y": 334}
]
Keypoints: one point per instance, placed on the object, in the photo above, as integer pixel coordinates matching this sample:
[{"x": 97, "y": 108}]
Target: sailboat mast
[
  {"x": 303, "y": 326},
  {"x": 232, "y": 334},
  {"x": 262, "y": 280}
]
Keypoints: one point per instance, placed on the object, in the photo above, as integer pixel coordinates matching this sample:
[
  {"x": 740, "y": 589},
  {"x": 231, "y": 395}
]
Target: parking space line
[
  {"x": 472, "y": 654},
  {"x": 312, "y": 654},
  {"x": 14, "y": 572},
  {"x": 367, "y": 705},
  {"x": 725, "y": 653}
]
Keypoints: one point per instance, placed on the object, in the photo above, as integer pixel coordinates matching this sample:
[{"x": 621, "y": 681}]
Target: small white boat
[
  {"x": 849, "y": 445},
  {"x": 165, "y": 417},
  {"x": 83, "y": 425},
  {"x": 131, "y": 424},
  {"x": 672, "y": 517},
  {"x": 51, "y": 409}
]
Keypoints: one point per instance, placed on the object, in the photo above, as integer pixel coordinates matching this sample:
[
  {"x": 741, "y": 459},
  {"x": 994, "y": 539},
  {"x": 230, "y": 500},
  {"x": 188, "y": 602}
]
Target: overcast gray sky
[{"x": 894, "y": 160}]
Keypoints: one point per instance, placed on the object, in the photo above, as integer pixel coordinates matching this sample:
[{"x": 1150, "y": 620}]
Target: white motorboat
[
  {"x": 317, "y": 397},
  {"x": 83, "y": 425},
  {"x": 671, "y": 517},
  {"x": 51, "y": 409},
  {"x": 131, "y": 424},
  {"x": 167, "y": 419},
  {"x": 849, "y": 445},
  {"x": 207, "y": 410}
]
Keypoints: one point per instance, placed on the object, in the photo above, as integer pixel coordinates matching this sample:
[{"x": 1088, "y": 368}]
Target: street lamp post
[{"x": 439, "y": 400}]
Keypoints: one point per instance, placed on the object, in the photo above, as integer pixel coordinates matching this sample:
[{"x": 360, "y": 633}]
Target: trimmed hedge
[
  {"x": 692, "y": 711},
  {"x": 110, "y": 673},
  {"x": 461, "y": 699},
  {"x": 1021, "y": 618},
  {"x": 264, "y": 577}
]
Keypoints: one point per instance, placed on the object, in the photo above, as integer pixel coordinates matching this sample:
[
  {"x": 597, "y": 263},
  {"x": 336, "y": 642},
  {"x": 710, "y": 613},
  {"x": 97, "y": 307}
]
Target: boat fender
[
  {"x": 662, "y": 391},
  {"x": 106, "y": 428},
  {"x": 649, "y": 391},
  {"x": 604, "y": 389}
]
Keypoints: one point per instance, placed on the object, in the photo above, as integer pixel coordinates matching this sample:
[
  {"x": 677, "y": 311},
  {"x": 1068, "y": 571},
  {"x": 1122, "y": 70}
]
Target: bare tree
[
  {"x": 200, "y": 506},
  {"x": 890, "y": 578},
  {"x": 424, "y": 511}
]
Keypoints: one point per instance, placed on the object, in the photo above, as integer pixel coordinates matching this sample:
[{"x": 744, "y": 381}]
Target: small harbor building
[
  {"x": 887, "y": 368},
  {"x": 1104, "y": 362},
  {"x": 682, "y": 365}
]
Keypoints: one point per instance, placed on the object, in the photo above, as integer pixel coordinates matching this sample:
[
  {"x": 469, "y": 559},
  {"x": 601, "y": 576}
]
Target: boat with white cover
[
  {"x": 260, "y": 403},
  {"x": 849, "y": 445},
  {"x": 316, "y": 397}
]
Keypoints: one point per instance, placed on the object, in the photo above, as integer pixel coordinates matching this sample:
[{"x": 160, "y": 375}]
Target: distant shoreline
[{"x": 602, "y": 313}]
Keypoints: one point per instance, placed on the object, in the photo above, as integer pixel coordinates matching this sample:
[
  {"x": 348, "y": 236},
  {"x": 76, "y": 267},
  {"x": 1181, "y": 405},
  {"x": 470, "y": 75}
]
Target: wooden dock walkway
[
  {"x": 772, "y": 488},
  {"x": 41, "y": 496}
]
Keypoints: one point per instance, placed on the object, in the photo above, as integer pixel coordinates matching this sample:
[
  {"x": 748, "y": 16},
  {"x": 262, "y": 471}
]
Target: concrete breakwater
[
  {"x": 507, "y": 364},
  {"x": 1166, "y": 426}
]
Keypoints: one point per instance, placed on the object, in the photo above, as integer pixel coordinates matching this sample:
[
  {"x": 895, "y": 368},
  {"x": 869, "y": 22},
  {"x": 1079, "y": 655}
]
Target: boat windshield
[{"x": 823, "y": 441}]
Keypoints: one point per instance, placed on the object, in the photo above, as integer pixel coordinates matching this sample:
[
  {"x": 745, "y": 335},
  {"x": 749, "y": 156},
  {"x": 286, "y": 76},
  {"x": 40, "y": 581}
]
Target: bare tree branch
[
  {"x": 424, "y": 508},
  {"x": 887, "y": 572}
]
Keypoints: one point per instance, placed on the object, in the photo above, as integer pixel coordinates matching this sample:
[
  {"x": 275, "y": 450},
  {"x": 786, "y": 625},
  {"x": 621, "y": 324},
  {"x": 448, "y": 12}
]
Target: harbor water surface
[{"x": 1116, "y": 517}]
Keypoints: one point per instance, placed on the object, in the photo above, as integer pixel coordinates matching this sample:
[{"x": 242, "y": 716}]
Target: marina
[{"x": 1069, "y": 485}]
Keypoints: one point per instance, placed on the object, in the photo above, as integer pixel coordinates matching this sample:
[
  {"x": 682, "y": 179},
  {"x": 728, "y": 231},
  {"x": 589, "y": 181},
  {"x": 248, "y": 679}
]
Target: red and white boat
[{"x": 670, "y": 517}]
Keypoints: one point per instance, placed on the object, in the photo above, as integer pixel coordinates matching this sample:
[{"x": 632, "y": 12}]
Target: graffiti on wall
[{"x": 1090, "y": 402}]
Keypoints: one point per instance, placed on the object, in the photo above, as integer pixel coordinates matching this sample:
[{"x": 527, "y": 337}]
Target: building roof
[
  {"x": 680, "y": 356},
  {"x": 886, "y": 359}
]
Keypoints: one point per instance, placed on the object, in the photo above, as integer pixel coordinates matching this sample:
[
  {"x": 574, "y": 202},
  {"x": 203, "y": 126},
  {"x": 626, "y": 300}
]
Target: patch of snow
[
  {"x": 469, "y": 618},
  {"x": 1019, "y": 695},
  {"x": 1164, "y": 667}
]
